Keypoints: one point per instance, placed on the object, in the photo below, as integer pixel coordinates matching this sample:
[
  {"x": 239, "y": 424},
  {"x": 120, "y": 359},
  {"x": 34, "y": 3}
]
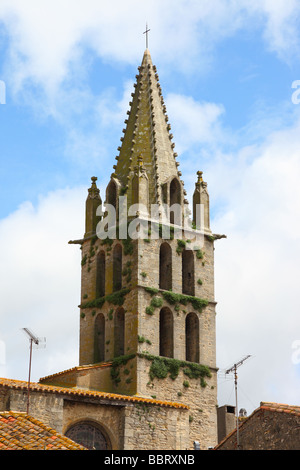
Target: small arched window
[
  {"x": 192, "y": 337},
  {"x": 188, "y": 277},
  {"x": 89, "y": 435},
  {"x": 111, "y": 194},
  {"x": 99, "y": 338},
  {"x": 100, "y": 277},
  {"x": 165, "y": 266},
  {"x": 117, "y": 268},
  {"x": 166, "y": 346},
  {"x": 175, "y": 201},
  {"x": 119, "y": 325}
]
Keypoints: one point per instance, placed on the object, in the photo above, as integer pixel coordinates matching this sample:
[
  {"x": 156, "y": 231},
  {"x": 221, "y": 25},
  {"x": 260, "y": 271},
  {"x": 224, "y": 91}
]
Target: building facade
[
  {"x": 272, "y": 426},
  {"x": 147, "y": 376}
]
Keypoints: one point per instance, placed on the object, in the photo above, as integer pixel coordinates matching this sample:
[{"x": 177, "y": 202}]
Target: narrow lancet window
[
  {"x": 166, "y": 346},
  {"x": 100, "y": 277},
  {"x": 117, "y": 268},
  {"x": 192, "y": 337},
  {"x": 165, "y": 266},
  {"x": 119, "y": 332},
  {"x": 99, "y": 338},
  {"x": 111, "y": 194},
  {"x": 175, "y": 202},
  {"x": 188, "y": 277}
]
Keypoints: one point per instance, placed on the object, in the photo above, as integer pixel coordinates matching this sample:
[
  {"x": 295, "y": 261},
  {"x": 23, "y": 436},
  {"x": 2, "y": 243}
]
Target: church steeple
[
  {"x": 147, "y": 309},
  {"x": 147, "y": 135}
]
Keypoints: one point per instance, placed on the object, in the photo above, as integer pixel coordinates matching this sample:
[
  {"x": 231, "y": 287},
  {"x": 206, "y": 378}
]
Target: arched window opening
[
  {"x": 192, "y": 338},
  {"x": 117, "y": 268},
  {"x": 99, "y": 338},
  {"x": 119, "y": 332},
  {"x": 188, "y": 277},
  {"x": 175, "y": 199},
  {"x": 111, "y": 194},
  {"x": 166, "y": 346},
  {"x": 165, "y": 266},
  {"x": 100, "y": 276},
  {"x": 89, "y": 435}
]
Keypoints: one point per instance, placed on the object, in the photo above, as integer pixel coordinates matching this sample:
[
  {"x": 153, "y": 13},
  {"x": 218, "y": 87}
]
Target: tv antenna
[
  {"x": 234, "y": 369},
  {"x": 33, "y": 340}
]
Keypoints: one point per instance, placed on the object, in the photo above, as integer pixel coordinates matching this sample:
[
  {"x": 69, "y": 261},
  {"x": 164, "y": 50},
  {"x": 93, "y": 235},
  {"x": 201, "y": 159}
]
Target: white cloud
[
  {"x": 281, "y": 31},
  {"x": 257, "y": 273},
  {"x": 47, "y": 39},
  {"x": 195, "y": 123},
  {"x": 258, "y": 268},
  {"x": 93, "y": 135},
  {"x": 40, "y": 282}
]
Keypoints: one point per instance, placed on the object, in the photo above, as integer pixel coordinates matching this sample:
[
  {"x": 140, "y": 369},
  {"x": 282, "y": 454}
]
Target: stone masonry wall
[
  {"x": 110, "y": 419},
  {"x": 148, "y": 328},
  {"x": 45, "y": 407},
  {"x": 128, "y": 426},
  {"x": 108, "y": 309},
  {"x": 202, "y": 400},
  {"x": 148, "y": 263},
  {"x": 267, "y": 430},
  {"x": 155, "y": 428},
  {"x": 141, "y": 267}
]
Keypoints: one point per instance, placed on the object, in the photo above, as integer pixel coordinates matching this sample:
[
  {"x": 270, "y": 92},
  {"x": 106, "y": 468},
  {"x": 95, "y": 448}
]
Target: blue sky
[{"x": 226, "y": 72}]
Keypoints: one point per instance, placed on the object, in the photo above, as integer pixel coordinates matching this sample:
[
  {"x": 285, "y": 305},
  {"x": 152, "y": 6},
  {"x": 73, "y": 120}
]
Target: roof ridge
[
  {"x": 88, "y": 393},
  {"x": 78, "y": 368},
  {"x": 280, "y": 407}
]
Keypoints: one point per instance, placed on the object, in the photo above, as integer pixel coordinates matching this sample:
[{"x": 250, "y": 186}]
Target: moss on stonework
[
  {"x": 110, "y": 314},
  {"x": 174, "y": 298},
  {"x": 115, "y": 367},
  {"x": 128, "y": 246},
  {"x": 152, "y": 290},
  {"x": 156, "y": 302},
  {"x": 107, "y": 241},
  {"x": 117, "y": 298},
  {"x": 161, "y": 367},
  {"x": 199, "y": 254},
  {"x": 127, "y": 272},
  {"x": 142, "y": 339}
]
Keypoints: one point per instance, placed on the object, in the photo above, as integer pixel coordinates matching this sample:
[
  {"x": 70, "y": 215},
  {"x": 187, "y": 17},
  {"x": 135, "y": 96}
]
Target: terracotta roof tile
[
  {"x": 19, "y": 384},
  {"x": 18, "y": 431},
  {"x": 101, "y": 365},
  {"x": 280, "y": 408},
  {"x": 267, "y": 406}
]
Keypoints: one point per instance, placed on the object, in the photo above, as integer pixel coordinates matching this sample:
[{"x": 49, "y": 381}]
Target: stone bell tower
[{"x": 147, "y": 311}]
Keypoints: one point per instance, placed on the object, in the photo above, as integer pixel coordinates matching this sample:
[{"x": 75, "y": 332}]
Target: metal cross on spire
[{"x": 146, "y": 32}]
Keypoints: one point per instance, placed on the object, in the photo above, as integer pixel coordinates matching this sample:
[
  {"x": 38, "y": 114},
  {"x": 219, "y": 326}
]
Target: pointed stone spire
[
  {"x": 201, "y": 205},
  {"x": 147, "y": 134},
  {"x": 92, "y": 202}
]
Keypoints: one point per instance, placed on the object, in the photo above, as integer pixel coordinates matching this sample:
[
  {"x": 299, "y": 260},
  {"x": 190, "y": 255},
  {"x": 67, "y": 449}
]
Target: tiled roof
[
  {"x": 19, "y": 384},
  {"x": 18, "y": 431},
  {"x": 280, "y": 407},
  {"x": 101, "y": 365},
  {"x": 266, "y": 406}
]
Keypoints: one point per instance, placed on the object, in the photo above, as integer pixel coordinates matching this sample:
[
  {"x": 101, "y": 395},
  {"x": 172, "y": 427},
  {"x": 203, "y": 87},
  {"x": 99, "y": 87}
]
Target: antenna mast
[
  {"x": 234, "y": 369},
  {"x": 32, "y": 339}
]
